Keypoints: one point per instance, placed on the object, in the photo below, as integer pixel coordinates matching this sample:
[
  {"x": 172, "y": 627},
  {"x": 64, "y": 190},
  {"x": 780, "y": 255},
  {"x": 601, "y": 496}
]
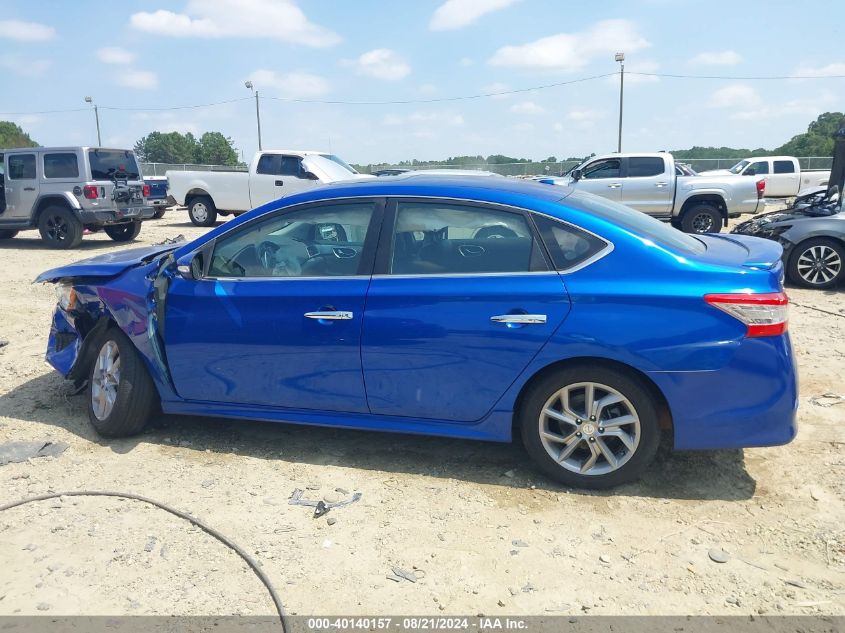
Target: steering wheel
[{"x": 266, "y": 252}]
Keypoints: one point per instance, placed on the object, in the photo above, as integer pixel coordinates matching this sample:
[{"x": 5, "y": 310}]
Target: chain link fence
[{"x": 505, "y": 169}]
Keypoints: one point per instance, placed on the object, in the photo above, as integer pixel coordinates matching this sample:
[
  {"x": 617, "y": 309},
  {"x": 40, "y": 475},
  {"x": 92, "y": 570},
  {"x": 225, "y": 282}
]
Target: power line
[
  {"x": 183, "y": 107},
  {"x": 735, "y": 77},
  {"x": 45, "y": 112}
]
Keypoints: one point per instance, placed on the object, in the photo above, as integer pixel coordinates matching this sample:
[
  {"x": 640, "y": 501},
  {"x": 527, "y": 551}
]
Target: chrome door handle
[
  {"x": 614, "y": 185},
  {"x": 329, "y": 316},
  {"x": 519, "y": 318},
  {"x": 660, "y": 184}
]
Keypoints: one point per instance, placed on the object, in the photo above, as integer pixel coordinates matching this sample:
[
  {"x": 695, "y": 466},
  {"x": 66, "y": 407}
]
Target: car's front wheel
[
  {"x": 202, "y": 211},
  {"x": 817, "y": 263},
  {"x": 590, "y": 427},
  {"x": 121, "y": 394},
  {"x": 123, "y": 232}
]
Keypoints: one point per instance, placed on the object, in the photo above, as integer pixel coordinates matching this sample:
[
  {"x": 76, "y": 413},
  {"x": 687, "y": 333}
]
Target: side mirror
[
  {"x": 309, "y": 175},
  {"x": 190, "y": 266},
  {"x": 576, "y": 174}
]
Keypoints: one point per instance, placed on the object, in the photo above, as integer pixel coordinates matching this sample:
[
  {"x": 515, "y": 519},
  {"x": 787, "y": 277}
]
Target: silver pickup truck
[
  {"x": 651, "y": 184},
  {"x": 61, "y": 191}
]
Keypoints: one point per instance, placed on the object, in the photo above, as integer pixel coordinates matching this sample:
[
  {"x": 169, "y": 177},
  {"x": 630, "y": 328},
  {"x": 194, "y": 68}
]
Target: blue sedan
[{"x": 444, "y": 306}]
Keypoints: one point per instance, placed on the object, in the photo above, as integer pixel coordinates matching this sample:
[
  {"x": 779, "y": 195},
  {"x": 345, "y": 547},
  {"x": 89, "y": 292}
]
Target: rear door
[
  {"x": 603, "y": 178},
  {"x": 785, "y": 179},
  {"x": 21, "y": 185},
  {"x": 647, "y": 185},
  {"x": 463, "y": 300},
  {"x": 277, "y": 176}
]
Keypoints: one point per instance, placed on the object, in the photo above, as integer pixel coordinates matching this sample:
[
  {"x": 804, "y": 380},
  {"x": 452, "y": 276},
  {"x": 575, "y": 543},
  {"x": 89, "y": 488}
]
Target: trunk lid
[
  {"x": 741, "y": 250},
  {"x": 108, "y": 265}
]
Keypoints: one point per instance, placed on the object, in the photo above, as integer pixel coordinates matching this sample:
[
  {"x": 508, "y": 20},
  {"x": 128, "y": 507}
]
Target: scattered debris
[
  {"x": 342, "y": 491},
  {"x": 43, "y": 606},
  {"x": 604, "y": 558},
  {"x": 331, "y": 521},
  {"x": 151, "y": 543},
  {"x": 501, "y": 603},
  {"x": 16, "y": 452},
  {"x": 171, "y": 240},
  {"x": 828, "y": 399},
  {"x": 332, "y": 497},
  {"x": 403, "y": 574},
  {"x": 718, "y": 555},
  {"x": 320, "y": 507},
  {"x": 313, "y": 487},
  {"x": 4, "y": 342},
  {"x": 815, "y": 494},
  {"x": 519, "y": 543},
  {"x": 795, "y": 583}
]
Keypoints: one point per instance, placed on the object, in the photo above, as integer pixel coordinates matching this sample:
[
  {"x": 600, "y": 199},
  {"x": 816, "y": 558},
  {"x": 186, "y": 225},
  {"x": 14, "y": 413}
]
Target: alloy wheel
[
  {"x": 819, "y": 264},
  {"x": 57, "y": 228},
  {"x": 702, "y": 223},
  {"x": 105, "y": 380},
  {"x": 589, "y": 428}
]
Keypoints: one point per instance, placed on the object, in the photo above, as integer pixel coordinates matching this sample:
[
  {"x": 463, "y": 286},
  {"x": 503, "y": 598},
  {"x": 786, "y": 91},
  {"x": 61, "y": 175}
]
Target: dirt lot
[{"x": 484, "y": 532}]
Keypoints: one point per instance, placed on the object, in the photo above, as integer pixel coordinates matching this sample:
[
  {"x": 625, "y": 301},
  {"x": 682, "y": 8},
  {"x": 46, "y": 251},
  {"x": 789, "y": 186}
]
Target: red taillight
[
  {"x": 146, "y": 191},
  {"x": 763, "y": 314},
  {"x": 761, "y": 188},
  {"x": 90, "y": 192}
]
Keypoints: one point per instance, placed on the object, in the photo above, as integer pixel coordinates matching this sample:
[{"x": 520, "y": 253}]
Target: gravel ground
[{"x": 479, "y": 529}]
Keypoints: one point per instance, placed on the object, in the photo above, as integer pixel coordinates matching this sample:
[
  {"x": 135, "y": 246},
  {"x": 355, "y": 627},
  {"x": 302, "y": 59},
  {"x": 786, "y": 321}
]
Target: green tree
[
  {"x": 11, "y": 136},
  {"x": 215, "y": 149},
  {"x": 167, "y": 147},
  {"x": 550, "y": 159},
  {"x": 817, "y": 140}
]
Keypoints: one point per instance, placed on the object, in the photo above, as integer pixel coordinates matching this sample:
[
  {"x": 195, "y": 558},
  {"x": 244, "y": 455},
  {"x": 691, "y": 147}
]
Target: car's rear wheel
[
  {"x": 123, "y": 232},
  {"x": 590, "y": 427},
  {"x": 7, "y": 235},
  {"x": 817, "y": 263},
  {"x": 159, "y": 213},
  {"x": 121, "y": 394},
  {"x": 202, "y": 211},
  {"x": 60, "y": 228},
  {"x": 702, "y": 218}
]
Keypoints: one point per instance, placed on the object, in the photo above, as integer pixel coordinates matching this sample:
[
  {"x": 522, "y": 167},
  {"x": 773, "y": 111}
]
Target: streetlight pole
[
  {"x": 249, "y": 85},
  {"x": 96, "y": 117},
  {"x": 620, "y": 57}
]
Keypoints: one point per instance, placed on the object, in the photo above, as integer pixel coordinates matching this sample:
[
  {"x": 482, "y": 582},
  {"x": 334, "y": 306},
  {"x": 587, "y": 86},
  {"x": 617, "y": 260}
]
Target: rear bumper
[
  {"x": 751, "y": 401},
  {"x": 101, "y": 217}
]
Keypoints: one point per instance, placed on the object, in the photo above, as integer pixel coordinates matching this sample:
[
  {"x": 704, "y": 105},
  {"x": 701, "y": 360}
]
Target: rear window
[
  {"x": 642, "y": 166},
  {"x": 639, "y": 223},
  {"x": 61, "y": 165},
  {"x": 784, "y": 167},
  {"x": 106, "y": 164}
]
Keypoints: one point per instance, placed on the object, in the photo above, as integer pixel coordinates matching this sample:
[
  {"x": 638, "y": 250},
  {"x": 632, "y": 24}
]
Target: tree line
[{"x": 214, "y": 148}]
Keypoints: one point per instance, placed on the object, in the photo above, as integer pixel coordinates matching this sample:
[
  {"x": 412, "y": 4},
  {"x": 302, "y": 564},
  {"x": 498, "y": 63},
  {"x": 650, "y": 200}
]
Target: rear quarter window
[
  {"x": 568, "y": 245},
  {"x": 61, "y": 165}
]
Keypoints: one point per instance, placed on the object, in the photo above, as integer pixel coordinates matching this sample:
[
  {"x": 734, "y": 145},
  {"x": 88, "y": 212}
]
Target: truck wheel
[
  {"x": 60, "y": 228},
  {"x": 159, "y": 213},
  {"x": 121, "y": 394},
  {"x": 202, "y": 211},
  {"x": 123, "y": 232},
  {"x": 817, "y": 263},
  {"x": 702, "y": 218},
  {"x": 7, "y": 235}
]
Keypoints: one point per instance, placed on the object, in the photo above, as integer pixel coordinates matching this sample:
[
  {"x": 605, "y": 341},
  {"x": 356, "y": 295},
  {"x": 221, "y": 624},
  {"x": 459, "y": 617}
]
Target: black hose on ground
[{"x": 182, "y": 515}]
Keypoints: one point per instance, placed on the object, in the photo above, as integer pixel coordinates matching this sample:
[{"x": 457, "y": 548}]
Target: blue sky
[{"x": 163, "y": 53}]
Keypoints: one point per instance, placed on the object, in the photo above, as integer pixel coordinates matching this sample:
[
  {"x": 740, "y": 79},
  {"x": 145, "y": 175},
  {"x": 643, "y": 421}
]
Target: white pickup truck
[
  {"x": 783, "y": 174},
  {"x": 649, "y": 183},
  {"x": 272, "y": 174}
]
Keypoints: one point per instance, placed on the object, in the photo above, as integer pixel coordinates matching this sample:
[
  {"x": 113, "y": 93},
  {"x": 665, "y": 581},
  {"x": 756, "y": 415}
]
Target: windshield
[
  {"x": 339, "y": 161},
  {"x": 332, "y": 169},
  {"x": 738, "y": 167},
  {"x": 106, "y": 163},
  {"x": 637, "y": 222}
]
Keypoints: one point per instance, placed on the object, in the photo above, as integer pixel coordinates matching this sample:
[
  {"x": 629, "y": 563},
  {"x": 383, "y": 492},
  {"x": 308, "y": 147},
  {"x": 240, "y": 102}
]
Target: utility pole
[
  {"x": 97, "y": 118},
  {"x": 620, "y": 57},
  {"x": 249, "y": 85}
]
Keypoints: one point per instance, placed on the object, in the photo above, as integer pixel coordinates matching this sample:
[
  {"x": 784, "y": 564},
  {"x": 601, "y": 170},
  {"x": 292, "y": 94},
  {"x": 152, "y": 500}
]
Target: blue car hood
[{"x": 109, "y": 265}]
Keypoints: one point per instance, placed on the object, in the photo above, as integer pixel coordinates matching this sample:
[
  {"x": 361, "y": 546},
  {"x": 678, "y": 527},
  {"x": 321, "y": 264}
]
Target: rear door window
[
  {"x": 61, "y": 165},
  {"x": 644, "y": 166},
  {"x": 784, "y": 167},
  {"x": 21, "y": 167}
]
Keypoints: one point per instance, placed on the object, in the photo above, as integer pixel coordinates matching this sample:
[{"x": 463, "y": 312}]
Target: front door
[
  {"x": 276, "y": 317},
  {"x": 21, "y": 186},
  {"x": 463, "y": 301},
  {"x": 277, "y": 176},
  {"x": 603, "y": 178}
]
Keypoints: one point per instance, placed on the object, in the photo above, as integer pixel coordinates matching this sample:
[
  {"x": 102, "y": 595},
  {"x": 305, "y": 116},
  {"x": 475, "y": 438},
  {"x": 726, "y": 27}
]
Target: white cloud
[
  {"x": 809, "y": 107},
  {"x": 392, "y": 119},
  {"x": 466, "y": 62},
  {"x": 456, "y": 14},
  {"x": 734, "y": 95},
  {"x": 524, "y": 127},
  {"x": 381, "y": 63},
  {"x": 720, "y": 58},
  {"x": 436, "y": 117},
  {"x": 294, "y": 85},
  {"x": 115, "y": 55},
  {"x": 526, "y": 107},
  {"x": 26, "y": 31},
  {"x": 270, "y": 19},
  {"x": 24, "y": 67},
  {"x": 138, "y": 79},
  {"x": 585, "y": 115},
  {"x": 573, "y": 51},
  {"x": 836, "y": 68},
  {"x": 427, "y": 89}
]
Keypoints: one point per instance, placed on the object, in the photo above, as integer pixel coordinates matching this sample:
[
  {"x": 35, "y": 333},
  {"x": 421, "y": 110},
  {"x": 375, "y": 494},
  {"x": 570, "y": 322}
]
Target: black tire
[
  {"x": 123, "y": 232},
  {"x": 7, "y": 234},
  {"x": 60, "y": 228},
  {"x": 135, "y": 395},
  {"x": 636, "y": 460},
  {"x": 159, "y": 213},
  {"x": 202, "y": 211},
  {"x": 825, "y": 249},
  {"x": 702, "y": 218}
]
